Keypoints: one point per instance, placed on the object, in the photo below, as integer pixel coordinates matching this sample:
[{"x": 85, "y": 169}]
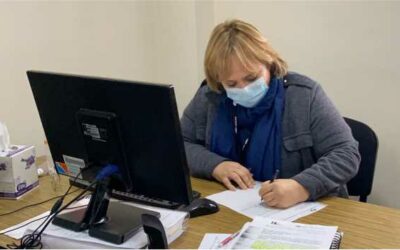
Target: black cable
[
  {"x": 26, "y": 224},
  {"x": 39, "y": 203},
  {"x": 59, "y": 202},
  {"x": 69, "y": 203},
  {"x": 25, "y": 241},
  {"x": 15, "y": 246},
  {"x": 36, "y": 204},
  {"x": 33, "y": 240}
]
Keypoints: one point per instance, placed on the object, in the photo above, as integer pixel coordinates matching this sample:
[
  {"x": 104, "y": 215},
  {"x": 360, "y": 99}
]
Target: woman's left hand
[{"x": 283, "y": 193}]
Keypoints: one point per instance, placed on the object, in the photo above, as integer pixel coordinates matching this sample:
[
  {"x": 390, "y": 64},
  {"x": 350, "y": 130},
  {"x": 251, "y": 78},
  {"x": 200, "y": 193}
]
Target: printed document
[
  {"x": 265, "y": 233},
  {"x": 249, "y": 203}
]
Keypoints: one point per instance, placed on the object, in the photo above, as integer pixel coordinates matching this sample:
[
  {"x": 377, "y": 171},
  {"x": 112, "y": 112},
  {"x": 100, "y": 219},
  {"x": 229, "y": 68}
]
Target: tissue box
[{"x": 18, "y": 173}]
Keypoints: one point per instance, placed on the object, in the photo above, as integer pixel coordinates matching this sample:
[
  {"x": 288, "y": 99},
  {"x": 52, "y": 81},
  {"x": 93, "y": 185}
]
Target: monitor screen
[{"x": 148, "y": 127}]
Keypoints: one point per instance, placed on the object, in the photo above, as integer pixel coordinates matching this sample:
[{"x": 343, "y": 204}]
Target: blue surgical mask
[{"x": 250, "y": 95}]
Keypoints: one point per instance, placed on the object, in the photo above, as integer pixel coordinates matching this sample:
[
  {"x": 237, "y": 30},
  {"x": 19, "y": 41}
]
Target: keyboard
[
  {"x": 125, "y": 196},
  {"x": 144, "y": 200}
]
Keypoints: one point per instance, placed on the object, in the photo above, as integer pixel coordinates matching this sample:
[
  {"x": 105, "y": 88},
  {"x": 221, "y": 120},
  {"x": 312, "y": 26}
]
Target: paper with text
[
  {"x": 249, "y": 203},
  {"x": 265, "y": 233}
]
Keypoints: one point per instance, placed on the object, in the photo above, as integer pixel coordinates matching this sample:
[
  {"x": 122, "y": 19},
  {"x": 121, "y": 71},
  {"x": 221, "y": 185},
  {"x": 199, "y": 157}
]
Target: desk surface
[{"x": 364, "y": 225}]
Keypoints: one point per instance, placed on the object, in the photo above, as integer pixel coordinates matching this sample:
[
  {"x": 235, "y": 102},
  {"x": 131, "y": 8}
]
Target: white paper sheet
[
  {"x": 18, "y": 233},
  {"x": 249, "y": 203},
  {"x": 173, "y": 222},
  {"x": 265, "y": 233},
  {"x": 54, "y": 242},
  {"x": 211, "y": 241}
]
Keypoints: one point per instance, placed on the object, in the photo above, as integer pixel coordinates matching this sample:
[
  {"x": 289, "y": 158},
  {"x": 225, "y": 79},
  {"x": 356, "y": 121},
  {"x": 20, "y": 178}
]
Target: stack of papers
[
  {"x": 57, "y": 237},
  {"x": 264, "y": 233},
  {"x": 248, "y": 202}
]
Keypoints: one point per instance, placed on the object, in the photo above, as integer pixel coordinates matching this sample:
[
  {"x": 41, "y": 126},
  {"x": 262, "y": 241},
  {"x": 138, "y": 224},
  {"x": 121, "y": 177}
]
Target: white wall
[
  {"x": 140, "y": 40},
  {"x": 350, "y": 47}
]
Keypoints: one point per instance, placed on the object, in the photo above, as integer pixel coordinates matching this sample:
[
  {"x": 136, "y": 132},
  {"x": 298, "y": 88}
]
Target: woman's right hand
[{"x": 228, "y": 171}]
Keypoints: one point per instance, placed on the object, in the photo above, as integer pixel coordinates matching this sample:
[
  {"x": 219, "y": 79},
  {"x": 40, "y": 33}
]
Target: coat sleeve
[
  {"x": 193, "y": 123},
  {"x": 335, "y": 149}
]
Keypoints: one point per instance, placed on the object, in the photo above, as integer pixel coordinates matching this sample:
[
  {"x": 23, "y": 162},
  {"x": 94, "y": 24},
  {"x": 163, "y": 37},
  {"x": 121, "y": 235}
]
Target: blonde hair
[{"x": 243, "y": 41}]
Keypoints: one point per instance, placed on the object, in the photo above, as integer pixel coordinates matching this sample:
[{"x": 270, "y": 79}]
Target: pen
[
  {"x": 228, "y": 239},
  {"x": 273, "y": 178}
]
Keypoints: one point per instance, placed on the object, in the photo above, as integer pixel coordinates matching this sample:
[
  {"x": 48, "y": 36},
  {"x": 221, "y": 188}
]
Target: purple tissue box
[{"x": 18, "y": 173}]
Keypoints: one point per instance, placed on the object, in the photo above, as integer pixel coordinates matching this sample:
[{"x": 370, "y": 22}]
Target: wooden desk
[{"x": 364, "y": 225}]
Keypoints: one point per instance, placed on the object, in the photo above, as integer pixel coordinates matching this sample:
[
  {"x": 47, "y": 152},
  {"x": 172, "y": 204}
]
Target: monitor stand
[{"x": 109, "y": 221}]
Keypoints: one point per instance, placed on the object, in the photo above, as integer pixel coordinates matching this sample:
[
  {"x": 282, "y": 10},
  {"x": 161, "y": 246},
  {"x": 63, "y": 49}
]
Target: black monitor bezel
[{"x": 36, "y": 76}]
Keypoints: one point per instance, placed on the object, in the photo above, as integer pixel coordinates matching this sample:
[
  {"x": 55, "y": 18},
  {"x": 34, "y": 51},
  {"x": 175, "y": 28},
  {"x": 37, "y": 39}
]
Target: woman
[{"x": 252, "y": 119}]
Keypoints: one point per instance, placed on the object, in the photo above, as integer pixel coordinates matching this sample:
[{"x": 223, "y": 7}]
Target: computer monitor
[
  {"x": 148, "y": 122},
  {"x": 94, "y": 122}
]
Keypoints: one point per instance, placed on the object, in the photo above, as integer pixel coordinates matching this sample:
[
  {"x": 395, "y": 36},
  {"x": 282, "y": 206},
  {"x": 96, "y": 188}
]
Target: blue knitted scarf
[{"x": 260, "y": 126}]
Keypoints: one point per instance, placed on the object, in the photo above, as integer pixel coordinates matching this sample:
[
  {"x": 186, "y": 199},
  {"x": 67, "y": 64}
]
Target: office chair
[{"x": 361, "y": 184}]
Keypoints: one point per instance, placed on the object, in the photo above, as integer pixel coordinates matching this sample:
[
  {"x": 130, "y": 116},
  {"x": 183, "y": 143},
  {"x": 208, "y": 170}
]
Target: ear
[{"x": 267, "y": 75}]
